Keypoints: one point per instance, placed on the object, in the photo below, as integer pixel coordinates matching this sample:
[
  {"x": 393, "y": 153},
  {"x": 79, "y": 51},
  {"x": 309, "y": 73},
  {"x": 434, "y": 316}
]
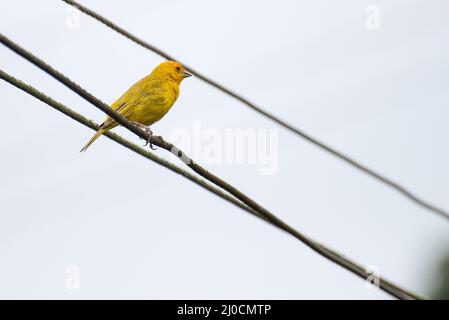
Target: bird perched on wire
[{"x": 148, "y": 100}]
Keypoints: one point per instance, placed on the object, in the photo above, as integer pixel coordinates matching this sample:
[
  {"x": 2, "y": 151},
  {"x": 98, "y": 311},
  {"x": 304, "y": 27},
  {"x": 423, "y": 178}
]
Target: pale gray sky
[{"x": 142, "y": 232}]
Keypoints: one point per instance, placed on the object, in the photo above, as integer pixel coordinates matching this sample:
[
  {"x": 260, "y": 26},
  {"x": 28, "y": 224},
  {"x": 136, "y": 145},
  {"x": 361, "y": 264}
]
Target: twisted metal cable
[
  {"x": 352, "y": 162},
  {"x": 322, "y": 250},
  {"x": 122, "y": 141}
]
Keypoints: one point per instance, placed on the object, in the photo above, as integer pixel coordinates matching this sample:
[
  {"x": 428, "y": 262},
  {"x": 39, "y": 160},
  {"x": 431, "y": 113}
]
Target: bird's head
[{"x": 173, "y": 70}]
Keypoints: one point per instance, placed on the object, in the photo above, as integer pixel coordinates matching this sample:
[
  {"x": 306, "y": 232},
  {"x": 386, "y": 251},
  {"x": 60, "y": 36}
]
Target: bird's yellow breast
[
  {"x": 154, "y": 103},
  {"x": 148, "y": 100}
]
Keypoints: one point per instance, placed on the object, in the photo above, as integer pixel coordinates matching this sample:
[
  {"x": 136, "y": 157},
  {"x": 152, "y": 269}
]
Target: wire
[
  {"x": 120, "y": 140},
  {"x": 363, "y": 168},
  {"x": 67, "y": 111},
  {"x": 330, "y": 254}
]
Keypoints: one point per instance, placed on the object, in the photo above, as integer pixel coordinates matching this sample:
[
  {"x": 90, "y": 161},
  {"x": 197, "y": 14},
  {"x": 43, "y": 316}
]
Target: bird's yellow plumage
[{"x": 149, "y": 99}]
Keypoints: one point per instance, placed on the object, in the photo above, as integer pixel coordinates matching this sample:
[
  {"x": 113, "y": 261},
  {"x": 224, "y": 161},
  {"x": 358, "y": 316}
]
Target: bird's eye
[{"x": 178, "y": 69}]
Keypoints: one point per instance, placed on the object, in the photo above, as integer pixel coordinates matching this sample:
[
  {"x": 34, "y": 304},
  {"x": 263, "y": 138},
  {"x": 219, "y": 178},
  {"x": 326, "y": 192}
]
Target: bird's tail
[{"x": 95, "y": 137}]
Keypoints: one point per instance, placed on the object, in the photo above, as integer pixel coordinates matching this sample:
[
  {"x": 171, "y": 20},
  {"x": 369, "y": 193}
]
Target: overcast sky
[{"x": 376, "y": 89}]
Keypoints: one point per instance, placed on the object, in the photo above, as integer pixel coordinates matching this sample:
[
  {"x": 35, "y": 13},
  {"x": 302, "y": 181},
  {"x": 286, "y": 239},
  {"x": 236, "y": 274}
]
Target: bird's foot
[
  {"x": 150, "y": 138},
  {"x": 150, "y": 135}
]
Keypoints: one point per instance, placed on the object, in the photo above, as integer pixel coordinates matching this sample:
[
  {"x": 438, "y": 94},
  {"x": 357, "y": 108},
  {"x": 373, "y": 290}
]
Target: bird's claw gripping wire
[
  {"x": 150, "y": 135},
  {"x": 150, "y": 138}
]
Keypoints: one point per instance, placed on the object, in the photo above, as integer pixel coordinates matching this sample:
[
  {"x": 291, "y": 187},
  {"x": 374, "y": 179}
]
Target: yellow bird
[{"x": 148, "y": 100}]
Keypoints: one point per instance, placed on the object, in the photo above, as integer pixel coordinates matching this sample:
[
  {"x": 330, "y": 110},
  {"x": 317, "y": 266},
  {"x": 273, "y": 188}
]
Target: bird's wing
[
  {"x": 123, "y": 108},
  {"x": 148, "y": 92},
  {"x": 125, "y": 103}
]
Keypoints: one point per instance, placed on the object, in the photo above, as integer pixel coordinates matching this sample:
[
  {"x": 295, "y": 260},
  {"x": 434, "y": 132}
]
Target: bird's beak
[{"x": 186, "y": 75}]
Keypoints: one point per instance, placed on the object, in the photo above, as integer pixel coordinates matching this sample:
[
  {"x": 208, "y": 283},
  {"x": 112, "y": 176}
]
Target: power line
[
  {"x": 330, "y": 254},
  {"x": 67, "y": 111},
  {"x": 363, "y": 168},
  {"x": 120, "y": 140}
]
